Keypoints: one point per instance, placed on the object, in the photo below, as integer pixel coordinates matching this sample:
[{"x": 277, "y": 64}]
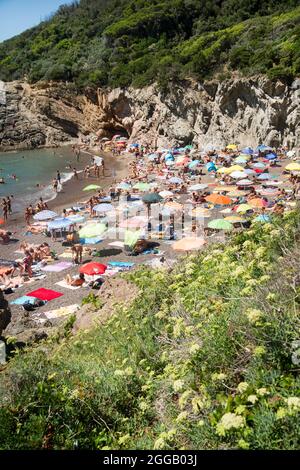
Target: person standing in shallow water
[
  {"x": 58, "y": 177},
  {"x": 4, "y": 209},
  {"x": 8, "y": 202}
]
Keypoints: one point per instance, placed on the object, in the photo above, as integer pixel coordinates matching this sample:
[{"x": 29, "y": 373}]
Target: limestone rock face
[{"x": 240, "y": 110}]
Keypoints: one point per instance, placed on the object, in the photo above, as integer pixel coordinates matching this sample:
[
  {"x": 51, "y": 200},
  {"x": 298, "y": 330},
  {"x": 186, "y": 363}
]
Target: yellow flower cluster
[{"x": 230, "y": 421}]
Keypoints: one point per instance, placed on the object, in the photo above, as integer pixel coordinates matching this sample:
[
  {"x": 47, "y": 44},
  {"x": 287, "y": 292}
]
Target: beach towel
[
  {"x": 56, "y": 268},
  {"x": 24, "y": 300},
  {"x": 117, "y": 244},
  {"x": 45, "y": 294},
  {"x": 64, "y": 284},
  {"x": 66, "y": 254},
  {"x": 61, "y": 312},
  {"x": 120, "y": 264},
  {"x": 90, "y": 241}
]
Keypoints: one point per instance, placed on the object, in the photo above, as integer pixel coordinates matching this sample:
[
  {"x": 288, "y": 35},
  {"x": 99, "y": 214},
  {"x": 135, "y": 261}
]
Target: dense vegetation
[
  {"x": 122, "y": 42},
  {"x": 206, "y": 357}
]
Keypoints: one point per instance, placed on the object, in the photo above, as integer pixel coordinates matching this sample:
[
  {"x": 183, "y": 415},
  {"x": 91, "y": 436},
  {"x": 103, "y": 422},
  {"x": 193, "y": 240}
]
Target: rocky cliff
[{"x": 243, "y": 111}]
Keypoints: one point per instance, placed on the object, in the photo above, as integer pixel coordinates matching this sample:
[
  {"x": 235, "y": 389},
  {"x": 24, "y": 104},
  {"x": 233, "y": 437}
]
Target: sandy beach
[{"x": 116, "y": 169}]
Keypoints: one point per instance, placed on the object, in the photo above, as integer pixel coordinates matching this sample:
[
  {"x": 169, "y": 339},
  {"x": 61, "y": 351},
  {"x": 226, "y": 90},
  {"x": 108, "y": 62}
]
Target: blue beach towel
[
  {"x": 120, "y": 264},
  {"x": 25, "y": 299},
  {"x": 90, "y": 241}
]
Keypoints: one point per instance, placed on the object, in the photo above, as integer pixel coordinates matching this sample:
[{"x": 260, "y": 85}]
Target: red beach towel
[{"x": 45, "y": 294}]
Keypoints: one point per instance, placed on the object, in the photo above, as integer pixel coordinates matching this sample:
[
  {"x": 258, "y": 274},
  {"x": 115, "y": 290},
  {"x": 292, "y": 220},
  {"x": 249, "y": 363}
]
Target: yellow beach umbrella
[
  {"x": 236, "y": 193},
  {"x": 233, "y": 168},
  {"x": 231, "y": 147},
  {"x": 234, "y": 219},
  {"x": 293, "y": 167},
  {"x": 200, "y": 212},
  {"x": 188, "y": 244},
  {"x": 222, "y": 170},
  {"x": 174, "y": 205},
  {"x": 244, "y": 208}
]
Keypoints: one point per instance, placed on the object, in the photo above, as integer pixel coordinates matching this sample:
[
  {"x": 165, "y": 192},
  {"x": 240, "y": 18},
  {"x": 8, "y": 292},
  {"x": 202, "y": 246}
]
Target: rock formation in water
[{"x": 243, "y": 111}]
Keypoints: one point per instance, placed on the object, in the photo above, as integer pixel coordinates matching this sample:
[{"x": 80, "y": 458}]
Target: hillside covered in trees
[{"x": 134, "y": 42}]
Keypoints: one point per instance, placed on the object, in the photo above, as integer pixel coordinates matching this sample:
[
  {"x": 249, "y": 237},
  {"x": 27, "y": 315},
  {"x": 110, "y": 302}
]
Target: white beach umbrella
[{"x": 45, "y": 215}]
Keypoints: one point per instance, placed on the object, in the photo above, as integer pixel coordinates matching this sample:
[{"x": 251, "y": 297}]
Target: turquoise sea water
[{"x": 32, "y": 167}]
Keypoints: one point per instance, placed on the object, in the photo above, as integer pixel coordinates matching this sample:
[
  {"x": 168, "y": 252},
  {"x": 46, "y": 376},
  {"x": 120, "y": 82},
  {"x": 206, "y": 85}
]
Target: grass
[{"x": 205, "y": 357}]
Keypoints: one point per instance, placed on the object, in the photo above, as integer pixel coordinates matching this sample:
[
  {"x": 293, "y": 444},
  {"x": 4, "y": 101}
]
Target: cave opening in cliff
[{"x": 111, "y": 131}]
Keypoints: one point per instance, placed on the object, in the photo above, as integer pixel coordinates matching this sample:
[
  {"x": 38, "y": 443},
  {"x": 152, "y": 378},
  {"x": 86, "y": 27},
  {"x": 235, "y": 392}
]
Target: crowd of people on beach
[{"x": 213, "y": 189}]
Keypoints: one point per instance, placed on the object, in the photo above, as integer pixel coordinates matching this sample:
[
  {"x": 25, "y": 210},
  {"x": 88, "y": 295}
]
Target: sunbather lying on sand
[
  {"x": 8, "y": 281},
  {"x": 77, "y": 282}
]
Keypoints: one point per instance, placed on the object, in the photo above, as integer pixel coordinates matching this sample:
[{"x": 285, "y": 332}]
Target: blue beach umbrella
[
  {"x": 248, "y": 151},
  {"x": 211, "y": 166},
  {"x": 271, "y": 156},
  {"x": 175, "y": 180},
  {"x": 262, "y": 218},
  {"x": 193, "y": 164},
  {"x": 59, "y": 223},
  {"x": 264, "y": 176},
  {"x": 45, "y": 215}
]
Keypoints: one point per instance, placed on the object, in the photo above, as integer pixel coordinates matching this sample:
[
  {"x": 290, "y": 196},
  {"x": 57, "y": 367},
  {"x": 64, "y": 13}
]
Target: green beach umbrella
[
  {"x": 152, "y": 198},
  {"x": 92, "y": 230},
  {"x": 220, "y": 224},
  {"x": 91, "y": 187},
  {"x": 131, "y": 237},
  {"x": 142, "y": 186}
]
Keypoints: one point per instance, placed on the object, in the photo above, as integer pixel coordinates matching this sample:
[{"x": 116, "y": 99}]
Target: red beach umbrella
[{"x": 91, "y": 269}]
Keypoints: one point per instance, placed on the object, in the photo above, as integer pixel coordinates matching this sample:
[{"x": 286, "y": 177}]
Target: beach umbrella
[
  {"x": 45, "y": 215},
  {"x": 91, "y": 187},
  {"x": 242, "y": 208},
  {"x": 263, "y": 148},
  {"x": 59, "y": 223},
  {"x": 210, "y": 166},
  {"x": 293, "y": 167},
  {"x": 248, "y": 151},
  {"x": 264, "y": 176},
  {"x": 98, "y": 161},
  {"x": 233, "y": 168},
  {"x": 262, "y": 218},
  {"x": 234, "y": 219},
  {"x": 291, "y": 153},
  {"x": 131, "y": 237},
  {"x": 245, "y": 182},
  {"x": 142, "y": 186},
  {"x": 193, "y": 164},
  {"x": 257, "y": 203},
  {"x": 199, "y": 212},
  {"x": 93, "y": 268},
  {"x": 220, "y": 224},
  {"x": 248, "y": 171},
  {"x": 241, "y": 160},
  {"x": 197, "y": 187},
  {"x": 238, "y": 175},
  {"x": 176, "y": 206},
  {"x": 217, "y": 199},
  {"x": 92, "y": 230},
  {"x": 259, "y": 165},
  {"x": 103, "y": 208},
  {"x": 271, "y": 156},
  {"x": 134, "y": 222},
  {"x": 236, "y": 193},
  {"x": 165, "y": 194},
  {"x": 169, "y": 156},
  {"x": 175, "y": 180},
  {"x": 152, "y": 198},
  {"x": 76, "y": 218},
  {"x": 167, "y": 211},
  {"x": 189, "y": 244},
  {"x": 231, "y": 147}
]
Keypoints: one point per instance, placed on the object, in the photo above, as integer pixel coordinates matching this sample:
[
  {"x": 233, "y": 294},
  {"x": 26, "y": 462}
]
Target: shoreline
[{"x": 72, "y": 193}]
